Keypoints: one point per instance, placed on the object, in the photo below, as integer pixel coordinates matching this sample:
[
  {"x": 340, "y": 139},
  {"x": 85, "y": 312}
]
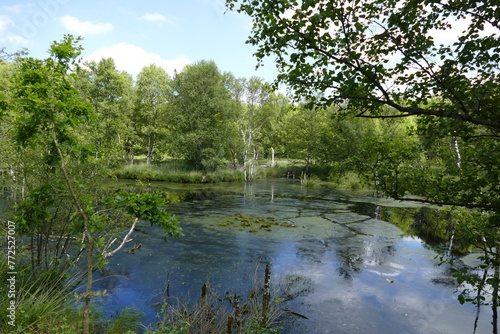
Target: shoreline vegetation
[
  {"x": 176, "y": 172},
  {"x": 51, "y": 304}
]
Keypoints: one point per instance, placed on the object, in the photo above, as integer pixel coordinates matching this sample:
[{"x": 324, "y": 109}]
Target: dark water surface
[{"x": 353, "y": 272}]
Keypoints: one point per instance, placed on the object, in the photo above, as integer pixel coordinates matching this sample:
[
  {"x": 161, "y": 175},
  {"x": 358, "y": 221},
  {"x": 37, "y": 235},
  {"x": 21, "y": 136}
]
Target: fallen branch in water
[{"x": 124, "y": 241}]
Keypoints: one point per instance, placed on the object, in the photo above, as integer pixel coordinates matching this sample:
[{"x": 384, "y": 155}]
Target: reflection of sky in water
[{"x": 363, "y": 275}]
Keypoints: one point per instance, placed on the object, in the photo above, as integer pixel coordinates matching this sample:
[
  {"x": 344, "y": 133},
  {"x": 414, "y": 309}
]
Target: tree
[
  {"x": 367, "y": 55},
  {"x": 49, "y": 113},
  {"x": 153, "y": 91},
  {"x": 6, "y": 147},
  {"x": 276, "y": 108},
  {"x": 49, "y": 107},
  {"x": 377, "y": 53},
  {"x": 255, "y": 94},
  {"x": 202, "y": 114},
  {"x": 309, "y": 136},
  {"x": 259, "y": 111},
  {"x": 110, "y": 93}
]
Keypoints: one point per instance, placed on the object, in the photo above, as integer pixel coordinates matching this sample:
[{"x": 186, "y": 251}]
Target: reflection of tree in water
[
  {"x": 454, "y": 232},
  {"x": 350, "y": 263},
  {"x": 436, "y": 227},
  {"x": 351, "y": 253},
  {"x": 312, "y": 249}
]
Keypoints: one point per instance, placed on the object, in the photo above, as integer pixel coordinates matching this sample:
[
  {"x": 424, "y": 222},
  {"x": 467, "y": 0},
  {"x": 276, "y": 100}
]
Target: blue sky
[{"x": 169, "y": 33}]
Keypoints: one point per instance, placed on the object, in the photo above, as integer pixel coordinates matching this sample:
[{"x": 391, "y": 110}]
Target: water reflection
[{"x": 347, "y": 268}]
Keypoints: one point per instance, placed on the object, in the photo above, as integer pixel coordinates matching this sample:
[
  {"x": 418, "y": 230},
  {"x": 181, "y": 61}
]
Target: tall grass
[
  {"x": 45, "y": 304},
  {"x": 308, "y": 180},
  {"x": 41, "y": 302},
  {"x": 175, "y": 173}
]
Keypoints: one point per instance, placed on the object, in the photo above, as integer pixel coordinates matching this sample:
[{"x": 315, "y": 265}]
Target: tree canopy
[
  {"x": 438, "y": 60},
  {"x": 201, "y": 109},
  {"x": 380, "y": 52}
]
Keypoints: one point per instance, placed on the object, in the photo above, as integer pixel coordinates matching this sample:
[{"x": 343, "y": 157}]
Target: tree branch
[
  {"x": 124, "y": 241},
  {"x": 465, "y": 205}
]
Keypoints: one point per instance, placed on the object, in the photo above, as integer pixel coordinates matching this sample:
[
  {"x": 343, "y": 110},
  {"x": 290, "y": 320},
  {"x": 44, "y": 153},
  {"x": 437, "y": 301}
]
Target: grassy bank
[
  {"x": 172, "y": 173},
  {"x": 177, "y": 172}
]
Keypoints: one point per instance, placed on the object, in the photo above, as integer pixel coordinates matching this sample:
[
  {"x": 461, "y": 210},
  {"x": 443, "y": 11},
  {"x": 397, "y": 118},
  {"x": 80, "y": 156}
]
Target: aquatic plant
[
  {"x": 255, "y": 223},
  {"x": 308, "y": 180}
]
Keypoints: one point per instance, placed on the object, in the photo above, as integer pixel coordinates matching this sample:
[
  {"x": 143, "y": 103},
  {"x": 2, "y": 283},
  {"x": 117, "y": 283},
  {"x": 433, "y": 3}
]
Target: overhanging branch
[{"x": 487, "y": 207}]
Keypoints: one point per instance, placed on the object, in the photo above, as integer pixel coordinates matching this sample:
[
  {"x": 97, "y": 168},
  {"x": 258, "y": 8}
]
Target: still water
[{"x": 354, "y": 271}]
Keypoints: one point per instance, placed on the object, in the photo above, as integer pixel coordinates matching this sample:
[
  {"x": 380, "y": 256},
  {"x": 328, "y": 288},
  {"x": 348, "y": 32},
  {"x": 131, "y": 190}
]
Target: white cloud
[
  {"x": 154, "y": 17},
  {"x": 14, "y": 8},
  {"x": 7, "y": 36},
  {"x": 4, "y": 22},
  {"x": 132, "y": 58},
  {"x": 83, "y": 28}
]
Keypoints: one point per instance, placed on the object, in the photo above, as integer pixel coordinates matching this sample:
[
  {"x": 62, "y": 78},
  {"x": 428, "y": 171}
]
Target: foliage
[
  {"x": 63, "y": 194},
  {"x": 308, "y": 135},
  {"x": 110, "y": 94},
  {"x": 42, "y": 303},
  {"x": 308, "y": 181},
  {"x": 363, "y": 52},
  {"x": 201, "y": 111},
  {"x": 128, "y": 320},
  {"x": 153, "y": 92},
  {"x": 258, "y": 109},
  {"x": 370, "y": 55},
  {"x": 479, "y": 284},
  {"x": 149, "y": 207}
]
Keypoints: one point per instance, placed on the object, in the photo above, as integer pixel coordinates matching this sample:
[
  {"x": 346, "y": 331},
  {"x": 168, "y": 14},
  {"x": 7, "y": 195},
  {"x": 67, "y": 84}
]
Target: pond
[{"x": 357, "y": 272}]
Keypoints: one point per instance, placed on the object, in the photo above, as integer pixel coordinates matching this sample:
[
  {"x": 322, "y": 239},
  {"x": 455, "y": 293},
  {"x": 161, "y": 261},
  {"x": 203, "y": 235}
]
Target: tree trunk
[
  {"x": 151, "y": 148},
  {"x": 88, "y": 237},
  {"x": 132, "y": 156},
  {"x": 247, "y": 141},
  {"x": 457, "y": 151},
  {"x": 266, "y": 298},
  {"x": 495, "y": 297},
  {"x": 253, "y": 162}
]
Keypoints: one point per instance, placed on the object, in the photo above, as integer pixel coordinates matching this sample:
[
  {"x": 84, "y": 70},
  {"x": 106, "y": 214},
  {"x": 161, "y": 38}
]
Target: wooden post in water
[
  {"x": 168, "y": 285},
  {"x": 266, "y": 298},
  {"x": 204, "y": 293},
  {"x": 230, "y": 324},
  {"x": 237, "y": 315}
]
